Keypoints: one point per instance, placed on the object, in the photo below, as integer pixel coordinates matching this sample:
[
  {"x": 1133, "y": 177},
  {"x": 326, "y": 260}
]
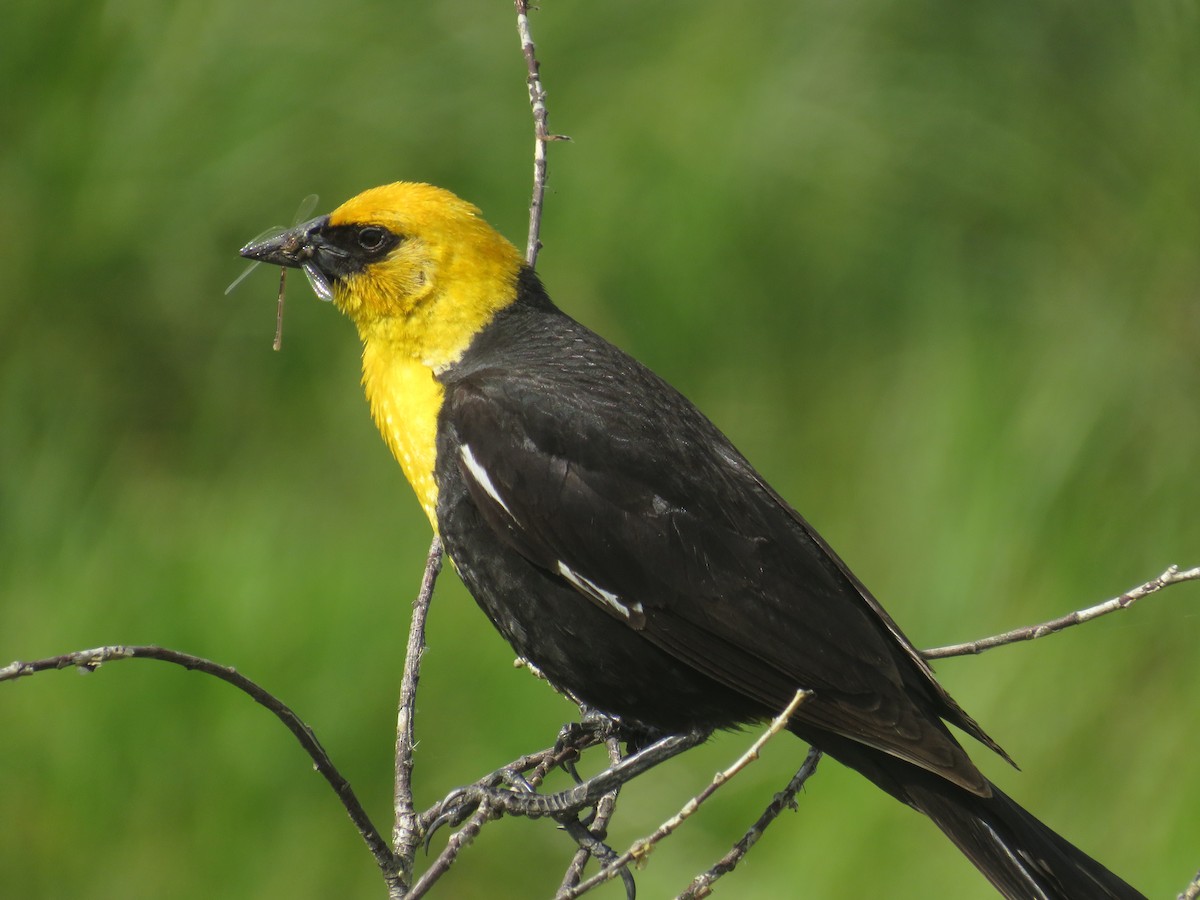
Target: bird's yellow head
[
  {"x": 412, "y": 265},
  {"x": 420, "y": 273}
]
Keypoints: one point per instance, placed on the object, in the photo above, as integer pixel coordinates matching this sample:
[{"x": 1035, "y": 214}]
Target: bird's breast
[{"x": 405, "y": 399}]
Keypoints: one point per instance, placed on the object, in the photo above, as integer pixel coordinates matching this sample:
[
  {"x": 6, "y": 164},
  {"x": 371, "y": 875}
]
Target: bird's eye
[{"x": 372, "y": 238}]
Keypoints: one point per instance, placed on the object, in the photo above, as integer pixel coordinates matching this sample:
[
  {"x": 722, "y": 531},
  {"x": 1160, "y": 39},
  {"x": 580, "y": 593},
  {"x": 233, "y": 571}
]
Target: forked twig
[
  {"x": 397, "y": 863},
  {"x": 701, "y": 885},
  {"x": 570, "y": 802},
  {"x": 397, "y": 875},
  {"x": 643, "y": 847}
]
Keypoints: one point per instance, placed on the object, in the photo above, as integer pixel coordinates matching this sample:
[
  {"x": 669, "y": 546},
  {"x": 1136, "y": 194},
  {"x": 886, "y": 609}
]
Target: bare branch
[
  {"x": 90, "y": 660},
  {"x": 568, "y": 803},
  {"x": 1031, "y": 632},
  {"x": 406, "y": 832},
  {"x": 1192, "y": 891},
  {"x": 592, "y": 845},
  {"x": 526, "y": 771},
  {"x": 597, "y": 829},
  {"x": 642, "y": 848},
  {"x": 541, "y": 128},
  {"x": 459, "y": 841},
  {"x": 701, "y": 886}
]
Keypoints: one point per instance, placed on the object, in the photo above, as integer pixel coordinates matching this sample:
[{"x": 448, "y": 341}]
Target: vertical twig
[
  {"x": 406, "y": 833},
  {"x": 605, "y": 808},
  {"x": 541, "y": 130}
]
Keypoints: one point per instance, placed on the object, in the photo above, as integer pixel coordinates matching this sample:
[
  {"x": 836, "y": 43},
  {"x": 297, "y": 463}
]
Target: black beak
[
  {"x": 297, "y": 248},
  {"x": 292, "y": 248}
]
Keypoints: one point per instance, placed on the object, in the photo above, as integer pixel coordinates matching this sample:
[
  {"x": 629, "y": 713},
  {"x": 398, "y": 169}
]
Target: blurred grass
[{"x": 933, "y": 266}]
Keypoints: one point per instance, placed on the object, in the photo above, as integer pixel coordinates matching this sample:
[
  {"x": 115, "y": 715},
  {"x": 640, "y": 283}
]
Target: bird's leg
[
  {"x": 604, "y": 854},
  {"x": 567, "y": 803},
  {"x": 593, "y": 727}
]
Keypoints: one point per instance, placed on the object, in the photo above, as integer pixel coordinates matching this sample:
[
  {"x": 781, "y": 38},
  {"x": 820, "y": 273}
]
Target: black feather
[{"x": 621, "y": 543}]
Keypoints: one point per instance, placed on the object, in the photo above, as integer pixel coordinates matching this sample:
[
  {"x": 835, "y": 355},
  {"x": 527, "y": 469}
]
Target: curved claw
[
  {"x": 569, "y": 737},
  {"x": 568, "y": 766},
  {"x": 630, "y": 885},
  {"x": 433, "y": 828},
  {"x": 589, "y": 817},
  {"x": 455, "y": 808},
  {"x": 519, "y": 781},
  {"x": 593, "y": 727}
]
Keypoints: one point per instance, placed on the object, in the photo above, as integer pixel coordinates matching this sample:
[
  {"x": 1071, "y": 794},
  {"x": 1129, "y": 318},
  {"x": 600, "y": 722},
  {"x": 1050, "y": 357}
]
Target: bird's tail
[{"x": 1019, "y": 855}]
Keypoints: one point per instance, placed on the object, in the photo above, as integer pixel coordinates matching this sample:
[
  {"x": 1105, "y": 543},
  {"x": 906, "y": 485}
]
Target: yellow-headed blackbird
[{"x": 621, "y": 543}]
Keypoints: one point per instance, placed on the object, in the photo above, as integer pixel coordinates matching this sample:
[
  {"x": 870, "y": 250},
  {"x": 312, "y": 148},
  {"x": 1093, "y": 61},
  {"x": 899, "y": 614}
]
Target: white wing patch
[
  {"x": 479, "y": 473},
  {"x": 632, "y": 613}
]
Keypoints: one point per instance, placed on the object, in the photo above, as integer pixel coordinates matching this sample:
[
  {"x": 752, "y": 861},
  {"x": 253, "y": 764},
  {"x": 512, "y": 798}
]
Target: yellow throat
[{"x": 419, "y": 308}]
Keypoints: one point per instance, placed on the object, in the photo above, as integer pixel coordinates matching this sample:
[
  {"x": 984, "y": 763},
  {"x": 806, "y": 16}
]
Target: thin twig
[
  {"x": 459, "y": 841},
  {"x": 642, "y": 848},
  {"x": 1192, "y": 891},
  {"x": 541, "y": 129},
  {"x": 701, "y": 885},
  {"x": 569, "y": 802},
  {"x": 91, "y": 660},
  {"x": 592, "y": 845},
  {"x": 598, "y": 829},
  {"x": 406, "y": 833},
  {"x": 526, "y": 771},
  {"x": 1030, "y": 632}
]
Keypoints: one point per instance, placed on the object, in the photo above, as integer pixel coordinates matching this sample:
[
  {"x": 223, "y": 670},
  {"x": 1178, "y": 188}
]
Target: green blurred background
[{"x": 933, "y": 265}]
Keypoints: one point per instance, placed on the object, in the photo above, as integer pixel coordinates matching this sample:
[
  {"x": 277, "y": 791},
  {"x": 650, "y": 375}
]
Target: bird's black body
[
  {"x": 619, "y": 542},
  {"x": 606, "y": 468}
]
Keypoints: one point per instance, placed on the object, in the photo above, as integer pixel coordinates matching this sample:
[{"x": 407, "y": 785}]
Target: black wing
[{"x": 599, "y": 473}]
